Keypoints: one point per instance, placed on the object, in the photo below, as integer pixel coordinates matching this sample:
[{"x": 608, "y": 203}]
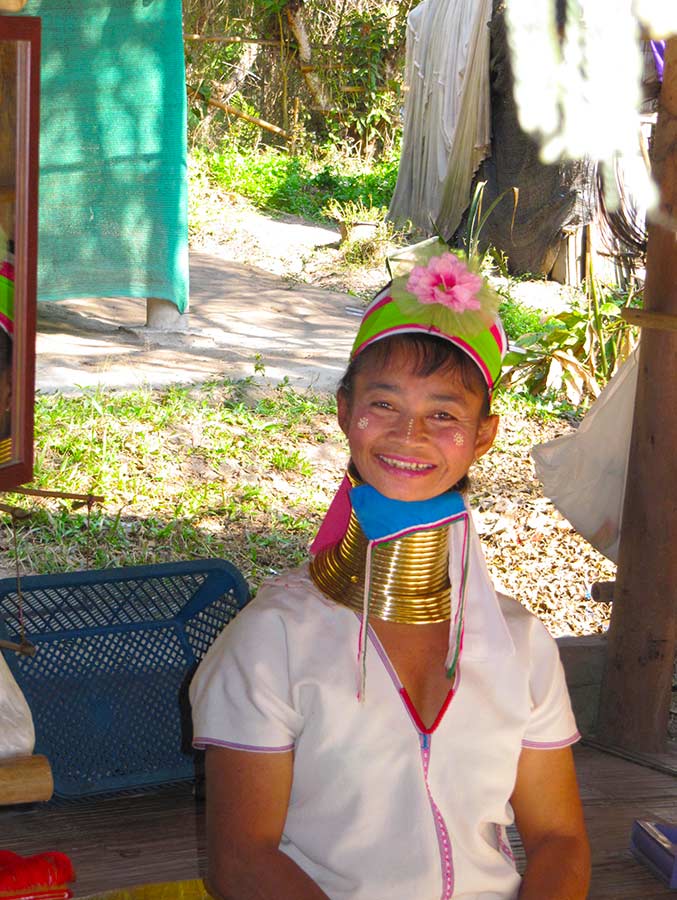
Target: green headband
[{"x": 435, "y": 291}]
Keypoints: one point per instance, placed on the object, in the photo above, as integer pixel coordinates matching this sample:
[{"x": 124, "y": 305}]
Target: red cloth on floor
[{"x": 44, "y": 876}]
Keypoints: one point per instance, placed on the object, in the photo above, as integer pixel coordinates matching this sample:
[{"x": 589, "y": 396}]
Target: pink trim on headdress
[
  {"x": 500, "y": 337},
  {"x": 376, "y": 304},
  {"x": 409, "y": 328},
  {"x": 335, "y": 523},
  {"x": 475, "y": 356}
]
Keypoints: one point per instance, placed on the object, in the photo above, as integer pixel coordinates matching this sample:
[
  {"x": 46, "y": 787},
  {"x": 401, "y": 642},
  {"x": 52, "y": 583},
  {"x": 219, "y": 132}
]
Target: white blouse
[{"x": 381, "y": 807}]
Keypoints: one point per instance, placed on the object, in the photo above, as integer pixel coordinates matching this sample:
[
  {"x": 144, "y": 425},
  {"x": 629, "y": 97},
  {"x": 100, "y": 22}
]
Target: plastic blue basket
[{"x": 116, "y": 648}]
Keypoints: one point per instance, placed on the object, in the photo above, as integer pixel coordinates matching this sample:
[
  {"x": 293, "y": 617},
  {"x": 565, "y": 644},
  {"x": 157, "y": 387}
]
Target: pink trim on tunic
[
  {"x": 201, "y": 742},
  {"x": 552, "y": 745},
  {"x": 443, "y": 839}
]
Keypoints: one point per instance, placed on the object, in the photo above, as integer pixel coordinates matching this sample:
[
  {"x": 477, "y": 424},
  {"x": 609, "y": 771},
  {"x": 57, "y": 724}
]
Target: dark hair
[
  {"x": 6, "y": 345},
  {"x": 429, "y": 354}
]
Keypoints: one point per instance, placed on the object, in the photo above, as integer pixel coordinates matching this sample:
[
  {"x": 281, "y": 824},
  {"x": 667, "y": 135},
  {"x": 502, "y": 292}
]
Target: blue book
[{"x": 655, "y": 845}]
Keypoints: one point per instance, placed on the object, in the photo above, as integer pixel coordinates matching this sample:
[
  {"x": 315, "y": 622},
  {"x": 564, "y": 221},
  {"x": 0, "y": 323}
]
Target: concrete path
[{"x": 239, "y": 317}]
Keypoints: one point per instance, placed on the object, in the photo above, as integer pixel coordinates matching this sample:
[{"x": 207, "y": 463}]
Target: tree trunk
[
  {"x": 240, "y": 72},
  {"x": 637, "y": 685},
  {"x": 297, "y": 24}
]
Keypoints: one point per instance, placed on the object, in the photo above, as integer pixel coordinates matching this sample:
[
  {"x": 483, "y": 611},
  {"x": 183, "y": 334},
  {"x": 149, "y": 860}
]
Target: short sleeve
[
  {"x": 240, "y": 694},
  {"x": 551, "y": 724}
]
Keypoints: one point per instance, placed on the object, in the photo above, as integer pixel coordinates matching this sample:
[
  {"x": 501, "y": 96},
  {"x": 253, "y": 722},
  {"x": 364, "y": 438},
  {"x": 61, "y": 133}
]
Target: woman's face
[{"x": 413, "y": 437}]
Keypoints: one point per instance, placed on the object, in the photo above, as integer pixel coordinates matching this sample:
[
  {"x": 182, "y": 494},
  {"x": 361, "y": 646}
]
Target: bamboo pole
[
  {"x": 637, "y": 684},
  {"x": 233, "y": 111},
  {"x": 231, "y": 39}
]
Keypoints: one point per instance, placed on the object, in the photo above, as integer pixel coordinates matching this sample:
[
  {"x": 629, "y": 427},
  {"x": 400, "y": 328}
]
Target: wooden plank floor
[{"x": 125, "y": 840}]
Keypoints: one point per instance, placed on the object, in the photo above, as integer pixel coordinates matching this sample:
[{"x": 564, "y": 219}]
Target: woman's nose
[{"x": 413, "y": 427}]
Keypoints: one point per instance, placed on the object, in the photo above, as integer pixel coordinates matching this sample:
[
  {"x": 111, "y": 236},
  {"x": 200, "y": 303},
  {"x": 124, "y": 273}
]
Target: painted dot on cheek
[
  {"x": 362, "y": 423},
  {"x": 459, "y": 440}
]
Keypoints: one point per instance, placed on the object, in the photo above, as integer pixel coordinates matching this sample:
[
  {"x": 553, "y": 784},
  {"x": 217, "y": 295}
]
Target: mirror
[{"x": 19, "y": 127}]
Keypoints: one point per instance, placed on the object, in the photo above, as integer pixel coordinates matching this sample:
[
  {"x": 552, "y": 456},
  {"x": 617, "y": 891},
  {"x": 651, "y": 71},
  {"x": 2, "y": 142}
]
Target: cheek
[
  {"x": 361, "y": 420},
  {"x": 458, "y": 442}
]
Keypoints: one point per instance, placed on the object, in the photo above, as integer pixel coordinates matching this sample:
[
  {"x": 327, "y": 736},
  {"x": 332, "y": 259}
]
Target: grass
[
  {"x": 302, "y": 186},
  {"x": 185, "y": 472}
]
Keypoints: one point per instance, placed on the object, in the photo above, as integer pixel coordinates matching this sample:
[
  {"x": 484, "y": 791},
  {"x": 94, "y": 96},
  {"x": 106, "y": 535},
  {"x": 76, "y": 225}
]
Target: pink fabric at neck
[{"x": 335, "y": 523}]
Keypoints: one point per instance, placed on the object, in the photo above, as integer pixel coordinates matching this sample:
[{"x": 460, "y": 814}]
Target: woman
[{"x": 375, "y": 719}]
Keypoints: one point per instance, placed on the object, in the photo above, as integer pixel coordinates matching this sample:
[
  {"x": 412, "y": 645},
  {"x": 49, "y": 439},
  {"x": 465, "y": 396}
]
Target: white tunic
[{"x": 382, "y": 808}]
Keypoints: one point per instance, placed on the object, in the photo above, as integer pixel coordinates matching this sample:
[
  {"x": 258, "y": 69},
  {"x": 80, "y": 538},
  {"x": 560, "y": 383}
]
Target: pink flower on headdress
[{"x": 446, "y": 280}]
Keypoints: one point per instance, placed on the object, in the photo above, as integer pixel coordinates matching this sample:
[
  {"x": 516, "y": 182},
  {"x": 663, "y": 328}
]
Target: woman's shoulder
[
  {"x": 291, "y": 600},
  {"x": 526, "y": 629}
]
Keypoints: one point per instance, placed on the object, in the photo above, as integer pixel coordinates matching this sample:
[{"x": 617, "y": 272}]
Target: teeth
[{"x": 409, "y": 466}]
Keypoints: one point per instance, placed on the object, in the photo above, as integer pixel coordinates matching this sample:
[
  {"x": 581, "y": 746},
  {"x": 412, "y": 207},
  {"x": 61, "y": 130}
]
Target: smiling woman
[{"x": 456, "y": 718}]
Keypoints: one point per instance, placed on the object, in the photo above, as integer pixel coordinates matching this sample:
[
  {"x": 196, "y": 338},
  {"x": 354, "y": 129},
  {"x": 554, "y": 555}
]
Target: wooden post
[
  {"x": 25, "y": 779},
  {"x": 636, "y": 688}
]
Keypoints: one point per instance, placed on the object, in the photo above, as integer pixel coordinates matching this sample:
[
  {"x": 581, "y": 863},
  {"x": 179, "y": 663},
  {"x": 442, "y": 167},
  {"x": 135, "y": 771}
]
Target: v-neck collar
[{"x": 408, "y": 703}]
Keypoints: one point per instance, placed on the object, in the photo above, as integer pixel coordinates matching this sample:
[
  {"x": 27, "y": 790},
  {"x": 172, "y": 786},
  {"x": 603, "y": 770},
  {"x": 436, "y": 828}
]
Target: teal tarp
[{"x": 113, "y": 175}]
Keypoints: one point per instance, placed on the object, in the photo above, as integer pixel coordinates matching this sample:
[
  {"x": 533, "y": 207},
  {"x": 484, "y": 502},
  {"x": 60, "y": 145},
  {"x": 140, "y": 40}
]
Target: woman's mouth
[{"x": 406, "y": 465}]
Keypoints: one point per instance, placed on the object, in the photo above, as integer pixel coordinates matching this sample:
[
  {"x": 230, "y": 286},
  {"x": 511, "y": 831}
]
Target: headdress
[
  {"x": 437, "y": 291},
  {"x": 404, "y": 561}
]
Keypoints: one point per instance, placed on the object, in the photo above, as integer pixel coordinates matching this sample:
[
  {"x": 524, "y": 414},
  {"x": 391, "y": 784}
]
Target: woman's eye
[
  {"x": 381, "y": 404},
  {"x": 444, "y": 417}
]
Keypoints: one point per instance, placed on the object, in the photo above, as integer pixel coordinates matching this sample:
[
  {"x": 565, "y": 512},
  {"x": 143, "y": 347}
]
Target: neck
[{"x": 408, "y": 577}]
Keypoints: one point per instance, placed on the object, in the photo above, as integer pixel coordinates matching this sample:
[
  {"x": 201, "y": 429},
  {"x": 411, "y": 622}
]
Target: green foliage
[
  {"x": 574, "y": 353},
  {"x": 477, "y": 220},
  {"x": 274, "y": 180},
  {"x": 519, "y": 319},
  {"x": 357, "y": 51},
  {"x": 371, "y": 39},
  {"x": 516, "y": 401},
  {"x": 372, "y": 250}
]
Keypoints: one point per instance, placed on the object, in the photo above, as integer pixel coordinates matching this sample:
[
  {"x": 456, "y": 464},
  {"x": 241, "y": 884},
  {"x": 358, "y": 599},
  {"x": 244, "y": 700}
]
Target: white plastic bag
[
  {"x": 17, "y": 735},
  {"x": 584, "y": 473}
]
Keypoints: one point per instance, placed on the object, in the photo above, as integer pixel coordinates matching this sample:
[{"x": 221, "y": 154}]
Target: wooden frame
[{"x": 19, "y": 130}]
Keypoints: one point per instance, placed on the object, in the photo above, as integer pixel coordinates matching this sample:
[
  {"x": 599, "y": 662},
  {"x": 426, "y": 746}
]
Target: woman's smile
[{"x": 405, "y": 465}]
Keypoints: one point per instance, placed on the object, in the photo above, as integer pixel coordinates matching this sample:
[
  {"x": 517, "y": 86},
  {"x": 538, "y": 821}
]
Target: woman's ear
[
  {"x": 486, "y": 434},
  {"x": 343, "y": 410}
]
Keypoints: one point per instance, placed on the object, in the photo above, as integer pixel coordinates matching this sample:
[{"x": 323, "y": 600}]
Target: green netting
[{"x": 113, "y": 183}]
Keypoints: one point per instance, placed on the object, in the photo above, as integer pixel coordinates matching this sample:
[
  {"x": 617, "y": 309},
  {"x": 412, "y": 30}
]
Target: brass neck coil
[{"x": 409, "y": 575}]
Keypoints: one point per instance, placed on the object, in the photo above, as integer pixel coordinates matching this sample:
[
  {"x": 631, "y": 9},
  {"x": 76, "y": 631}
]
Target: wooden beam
[
  {"x": 25, "y": 779},
  {"x": 233, "y": 111},
  {"x": 636, "y": 688},
  {"x": 645, "y": 319}
]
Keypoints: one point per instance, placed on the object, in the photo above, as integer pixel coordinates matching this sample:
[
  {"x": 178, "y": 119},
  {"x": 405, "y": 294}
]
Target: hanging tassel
[
  {"x": 364, "y": 627},
  {"x": 457, "y": 621}
]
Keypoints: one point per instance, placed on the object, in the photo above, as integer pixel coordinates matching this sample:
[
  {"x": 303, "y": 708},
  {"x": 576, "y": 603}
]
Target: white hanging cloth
[
  {"x": 447, "y": 115},
  {"x": 17, "y": 734}
]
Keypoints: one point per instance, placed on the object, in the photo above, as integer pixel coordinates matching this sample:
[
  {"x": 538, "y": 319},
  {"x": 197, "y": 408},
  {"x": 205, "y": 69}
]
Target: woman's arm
[
  {"x": 247, "y": 800},
  {"x": 549, "y": 818}
]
